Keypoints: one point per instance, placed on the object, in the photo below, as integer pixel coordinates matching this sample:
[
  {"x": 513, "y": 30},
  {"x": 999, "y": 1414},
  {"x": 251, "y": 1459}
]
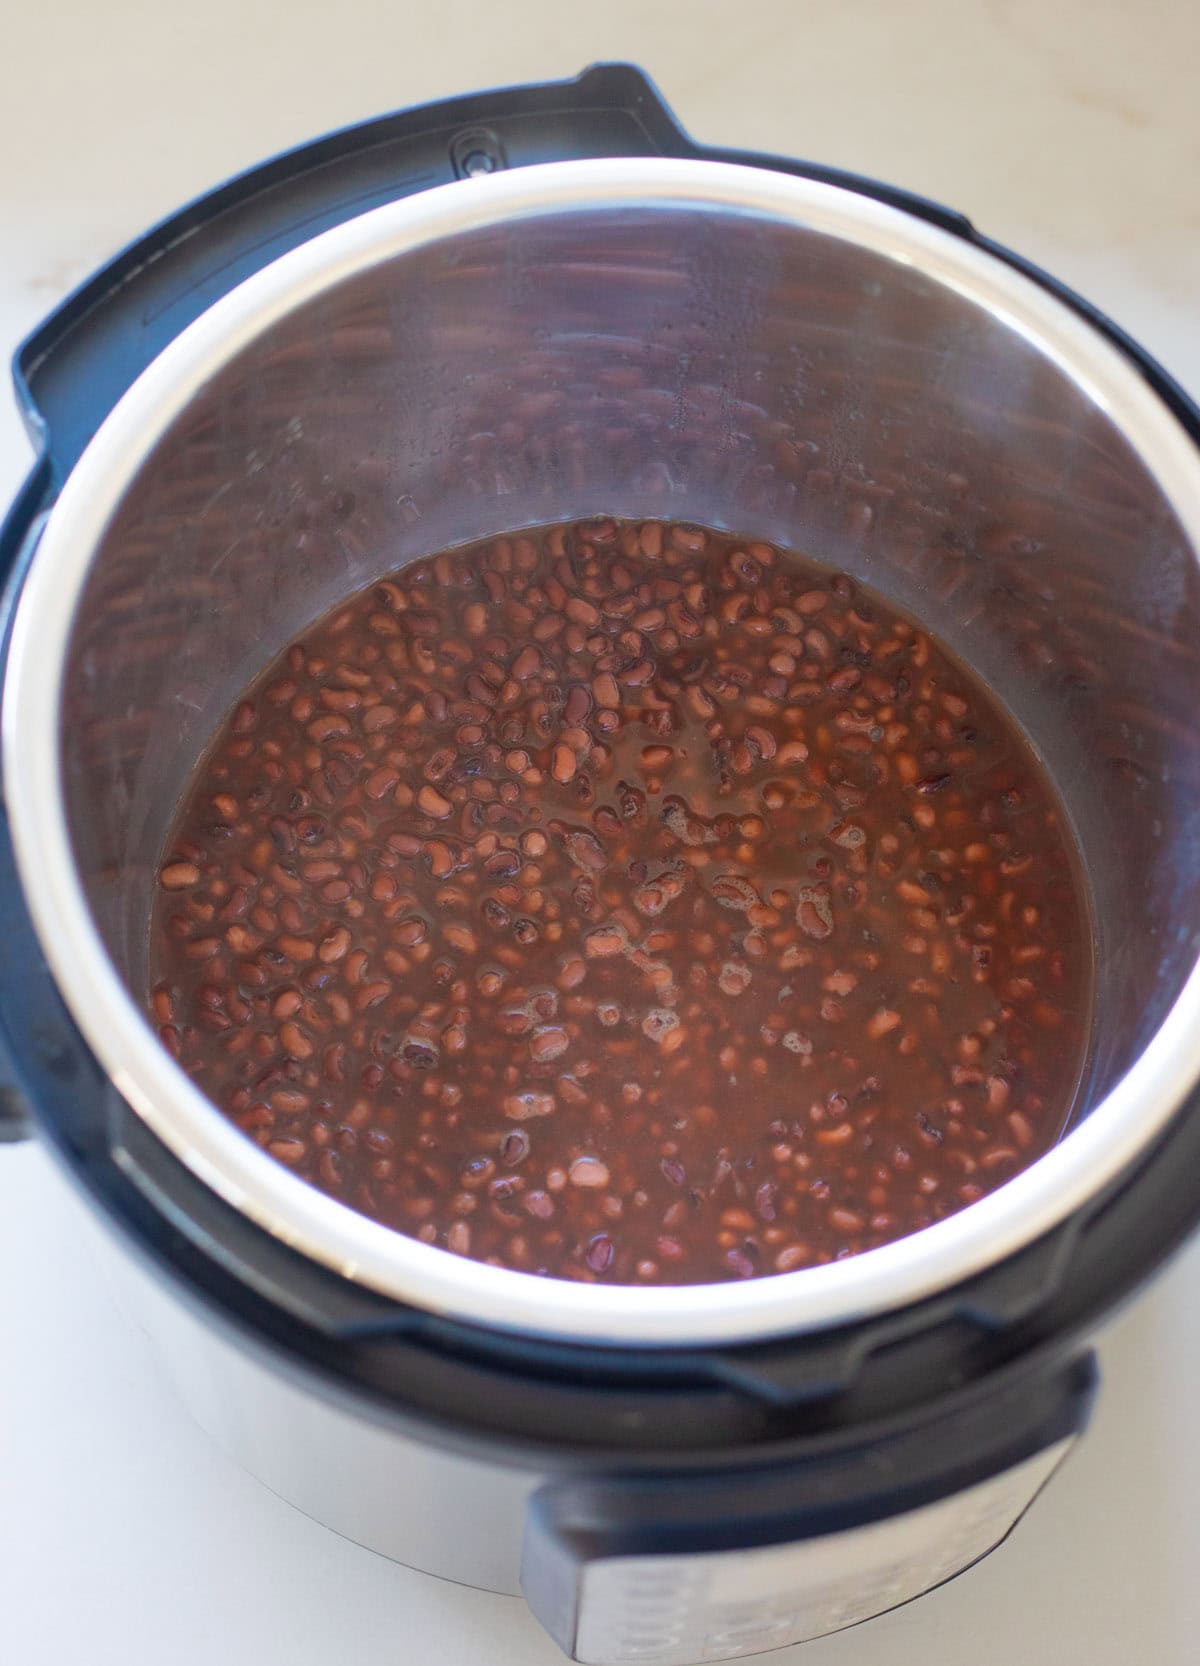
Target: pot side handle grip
[
  {"x": 14, "y": 1115},
  {"x": 73, "y": 369},
  {"x": 19, "y": 534},
  {"x": 79, "y": 362}
]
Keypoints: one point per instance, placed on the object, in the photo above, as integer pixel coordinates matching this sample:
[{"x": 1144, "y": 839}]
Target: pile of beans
[{"x": 627, "y": 902}]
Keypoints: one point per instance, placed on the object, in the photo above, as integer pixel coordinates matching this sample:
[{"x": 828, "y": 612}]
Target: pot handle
[
  {"x": 19, "y": 534},
  {"x": 669, "y": 1570},
  {"x": 14, "y": 1117},
  {"x": 79, "y": 362},
  {"x": 72, "y": 370}
]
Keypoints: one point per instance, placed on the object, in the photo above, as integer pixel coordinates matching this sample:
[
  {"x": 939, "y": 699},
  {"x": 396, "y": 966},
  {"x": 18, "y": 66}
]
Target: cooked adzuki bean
[{"x": 631, "y": 903}]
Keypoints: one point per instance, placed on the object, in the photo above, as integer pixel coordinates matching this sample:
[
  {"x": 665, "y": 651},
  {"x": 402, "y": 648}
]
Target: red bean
[
  {"x": 589, "y": 1172},
  {"x": 564, "y": 764},
  {"x": 178, "y": 876}
]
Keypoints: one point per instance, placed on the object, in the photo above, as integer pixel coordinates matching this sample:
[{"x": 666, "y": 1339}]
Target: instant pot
[{"x": 498, "y": 312}]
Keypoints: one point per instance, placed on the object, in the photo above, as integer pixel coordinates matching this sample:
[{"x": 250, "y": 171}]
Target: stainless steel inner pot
[{"x": 642, "y": 338}]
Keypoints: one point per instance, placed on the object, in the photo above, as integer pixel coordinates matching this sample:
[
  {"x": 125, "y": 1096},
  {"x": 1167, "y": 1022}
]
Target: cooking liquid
[{"x": 631, "y": 903}]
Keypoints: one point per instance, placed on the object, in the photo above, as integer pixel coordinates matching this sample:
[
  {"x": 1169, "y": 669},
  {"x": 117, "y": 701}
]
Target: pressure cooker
[{"x": 498, "y": 312}]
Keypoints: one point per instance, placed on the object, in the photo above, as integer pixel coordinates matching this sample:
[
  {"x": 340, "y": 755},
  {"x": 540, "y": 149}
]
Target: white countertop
[{"x": 1071, "y": 133}]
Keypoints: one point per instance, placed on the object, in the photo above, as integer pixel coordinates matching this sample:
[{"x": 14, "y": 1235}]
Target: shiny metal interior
[{"x": 772, "y": 357}]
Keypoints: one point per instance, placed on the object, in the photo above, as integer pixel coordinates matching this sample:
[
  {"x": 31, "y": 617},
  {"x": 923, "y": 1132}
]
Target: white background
[{"x": 1070, "y": 131}]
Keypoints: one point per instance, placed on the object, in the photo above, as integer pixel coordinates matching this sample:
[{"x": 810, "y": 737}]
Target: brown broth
[{"x": 630, "y": 903}]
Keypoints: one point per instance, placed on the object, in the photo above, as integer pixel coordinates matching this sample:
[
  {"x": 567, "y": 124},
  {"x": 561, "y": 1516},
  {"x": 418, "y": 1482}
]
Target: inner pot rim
[{"x": 1111, "y": 1138}]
